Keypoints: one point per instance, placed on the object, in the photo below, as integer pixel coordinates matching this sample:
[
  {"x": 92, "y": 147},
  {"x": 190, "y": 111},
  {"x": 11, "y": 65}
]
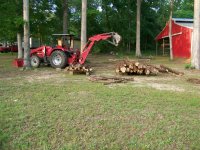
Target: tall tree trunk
[
  {"x": 170, "y": 30},
  {"x": 65, "y": 16},
  {"x": 138, "y": 51},
  {"x": 19, "y": 44},
  {"x": 84, "y": 24},
  {"x": 5, "y": 43},
  {"x": 129, "y": 26},
  {"x": 196, "y": 36},
  {"x": 27, "y": 63}
]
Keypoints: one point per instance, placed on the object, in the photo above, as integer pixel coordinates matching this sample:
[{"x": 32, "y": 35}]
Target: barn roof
[
  {"x": 176, "y": 24},
  {"x": 186, "y": 22}
]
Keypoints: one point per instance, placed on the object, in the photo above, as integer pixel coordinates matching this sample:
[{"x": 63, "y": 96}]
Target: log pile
[
  {"x": 109, "y": 80},
  {"x": 127, "y": 67},
  {"x": 79, "y": 69},
  {"x": 135, "y": 68}
]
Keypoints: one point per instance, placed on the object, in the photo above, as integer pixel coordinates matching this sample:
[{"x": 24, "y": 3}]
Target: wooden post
[
  {"x": 170, "y": 31},
  {"x": 156, "y": 48},
  {"x": 163, "y": 46}
]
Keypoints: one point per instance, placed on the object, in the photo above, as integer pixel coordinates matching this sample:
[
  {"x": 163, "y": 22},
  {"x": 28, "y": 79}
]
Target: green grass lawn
[{"x": 48, "y": 109}]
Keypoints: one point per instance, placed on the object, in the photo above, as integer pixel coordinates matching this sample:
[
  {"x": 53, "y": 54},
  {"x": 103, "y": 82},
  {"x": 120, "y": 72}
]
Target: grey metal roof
[
  {"x": 63, "y": 34},
  {"x": 183, "y": 19},
  {"x": 186, "y": 22}
]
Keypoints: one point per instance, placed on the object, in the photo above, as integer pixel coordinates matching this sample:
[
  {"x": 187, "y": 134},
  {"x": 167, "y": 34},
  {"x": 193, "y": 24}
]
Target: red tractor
[{"x": 64, "y": 54}]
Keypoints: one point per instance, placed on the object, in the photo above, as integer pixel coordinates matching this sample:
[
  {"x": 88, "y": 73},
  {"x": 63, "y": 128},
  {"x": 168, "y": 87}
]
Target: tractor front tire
[
  {"x": 35, "y": 61},
  {"x": 58, "y": 59}
]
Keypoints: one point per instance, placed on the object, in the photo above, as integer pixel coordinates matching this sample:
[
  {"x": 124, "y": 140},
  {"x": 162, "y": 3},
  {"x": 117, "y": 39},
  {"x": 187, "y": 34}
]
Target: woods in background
[{"x": 46, "y": 18}]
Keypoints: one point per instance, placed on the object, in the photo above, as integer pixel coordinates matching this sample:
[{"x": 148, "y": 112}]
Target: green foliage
[
  {"x": 43, "y": 21},
  {"x": 11, "y": 19},
  {"x": 185, "y": 9},
  {"x": 189, "y": 66},
  {"x": 46, "y": 18}
]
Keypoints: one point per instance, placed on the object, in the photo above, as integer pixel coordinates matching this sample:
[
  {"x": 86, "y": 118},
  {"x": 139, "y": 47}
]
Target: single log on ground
[
  {"x": 109, "y": 80},
  {"x": 171, "y": 70}
]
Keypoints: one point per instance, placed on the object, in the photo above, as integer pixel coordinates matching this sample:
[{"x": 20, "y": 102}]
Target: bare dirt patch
[
  {"x": 166, "y": 87},
  {"x": 194, "y": 80},
  {"x": 158, "y": 82},
  {"x": 42, "y": 76}
]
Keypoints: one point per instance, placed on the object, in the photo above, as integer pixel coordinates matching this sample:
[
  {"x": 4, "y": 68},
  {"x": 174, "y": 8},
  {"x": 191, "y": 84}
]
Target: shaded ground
[
  {"x": 49, "y": 109},
  {"x": 194, "y": 80}
]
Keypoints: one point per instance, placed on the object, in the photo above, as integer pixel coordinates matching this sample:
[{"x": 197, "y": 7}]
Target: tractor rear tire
[
  {"x": 35, "y": 61},
  {"x": 58, "y": 59}
]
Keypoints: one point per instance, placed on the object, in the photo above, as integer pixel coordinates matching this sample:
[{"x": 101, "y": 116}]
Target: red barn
[{"x": 181, "y": 37}]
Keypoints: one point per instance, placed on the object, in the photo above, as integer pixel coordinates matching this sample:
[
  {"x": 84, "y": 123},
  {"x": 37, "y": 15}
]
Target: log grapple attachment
[{"x": 115, "y": 38}]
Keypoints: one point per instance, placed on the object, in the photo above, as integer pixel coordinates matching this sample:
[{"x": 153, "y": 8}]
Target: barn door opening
[{"x": 163, "y": 47}]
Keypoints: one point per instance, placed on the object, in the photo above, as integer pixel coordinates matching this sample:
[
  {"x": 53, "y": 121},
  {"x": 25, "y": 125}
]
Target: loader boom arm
[{"x": 113, "y": 37}]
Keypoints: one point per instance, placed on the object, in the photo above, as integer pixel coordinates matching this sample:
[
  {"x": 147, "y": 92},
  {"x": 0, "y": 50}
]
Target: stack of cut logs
[
  {"x": 78, "y": 69},
  {"x": 136, "y": 68}
]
